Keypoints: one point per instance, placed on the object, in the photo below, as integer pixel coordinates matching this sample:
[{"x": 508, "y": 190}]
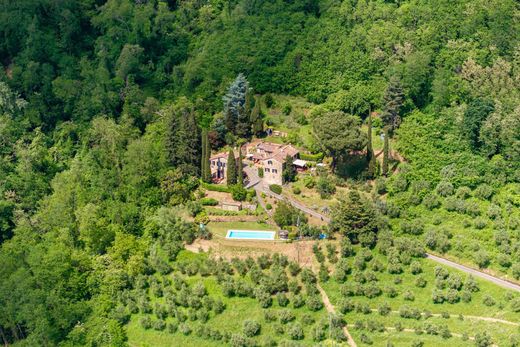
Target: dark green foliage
[
  {"x": 231, "y": 169},
  {"x": 476, "y": 113},
  {"x": 182, "y": 137},
  {"x": 275, "y": 188},
  {"x": 236, "y": 107},
  {"x": 386, "y": 153},
  {"x": 392, "y": 103},
  {"x": 286, "y": 215},
  {"x": 339, "y": 135},
  {"x": 355, "y": 218},
  {"x": 289, "y": 171},
  {"x": 240, "y": 165}
]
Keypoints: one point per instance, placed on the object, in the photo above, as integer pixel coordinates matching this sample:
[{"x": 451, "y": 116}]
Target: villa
[{"x": 270, "y": 157}]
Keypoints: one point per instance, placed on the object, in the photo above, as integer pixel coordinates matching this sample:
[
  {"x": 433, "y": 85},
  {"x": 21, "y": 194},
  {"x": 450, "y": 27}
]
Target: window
[
  {"x": 266, "y": 170},
  {"x": 275, "y": 171},
  {"x": 213, "y": 163},
  {"x": 269, "y": 162}
]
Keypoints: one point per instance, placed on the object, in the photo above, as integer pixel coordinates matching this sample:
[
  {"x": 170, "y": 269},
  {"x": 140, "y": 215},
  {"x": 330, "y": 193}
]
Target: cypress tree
[
  {"x": 256, "y": 119},
  {"x": 240, "y": 175},
  {"x": 231, "y": 170},
  {"x": 207, "y": 172},
  {"x": 385, "y": 153},
  {"x": 203, "y": 156},
  {"x": 370, "y": 151}
]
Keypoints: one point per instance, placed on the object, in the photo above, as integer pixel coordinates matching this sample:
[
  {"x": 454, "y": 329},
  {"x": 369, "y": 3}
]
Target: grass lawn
[{"x": 310, "y": 197}]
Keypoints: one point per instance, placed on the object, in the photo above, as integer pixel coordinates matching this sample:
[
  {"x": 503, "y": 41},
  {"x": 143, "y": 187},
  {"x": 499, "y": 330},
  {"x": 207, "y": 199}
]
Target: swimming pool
[{"x": 250, "y": 235}]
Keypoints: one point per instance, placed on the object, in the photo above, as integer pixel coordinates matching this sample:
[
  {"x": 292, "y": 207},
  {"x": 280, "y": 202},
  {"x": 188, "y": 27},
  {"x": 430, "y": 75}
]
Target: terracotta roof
[{"x": 218, "y": 156}]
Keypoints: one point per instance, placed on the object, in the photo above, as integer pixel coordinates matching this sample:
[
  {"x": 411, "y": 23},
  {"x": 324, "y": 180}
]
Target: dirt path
[
  {"x": 496, "y": 280},
  {"x": 330, "y": 309},
  {"x": 487, "y": 319}
]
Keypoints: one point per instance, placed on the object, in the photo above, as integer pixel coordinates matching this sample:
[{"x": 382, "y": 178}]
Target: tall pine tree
[
  {"x": 393, "y": 101},
  {"x": 183, "y": 140},
  {"x": 231, "y": 170},
  {"x": 237, "y": 108}
]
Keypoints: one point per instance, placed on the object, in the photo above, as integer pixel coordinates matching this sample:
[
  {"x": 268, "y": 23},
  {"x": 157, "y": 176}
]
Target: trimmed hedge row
[
  {"x": 222, "y": 188},
  {"x": 208, "y": 202},
  {"x": 275, "y": 188},
  {"x": 311, "y": 157}
]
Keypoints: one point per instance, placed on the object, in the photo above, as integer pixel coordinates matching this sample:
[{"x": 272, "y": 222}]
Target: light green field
[
  {"x": 500, "y": 332},
  {"x": 238, "y": 309}
]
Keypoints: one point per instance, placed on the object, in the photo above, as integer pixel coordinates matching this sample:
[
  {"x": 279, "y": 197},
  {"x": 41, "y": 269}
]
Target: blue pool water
[{"x": 250, "y": 235}]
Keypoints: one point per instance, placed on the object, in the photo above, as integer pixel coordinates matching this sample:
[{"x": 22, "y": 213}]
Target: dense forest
[{"x": 105, "y": 106}]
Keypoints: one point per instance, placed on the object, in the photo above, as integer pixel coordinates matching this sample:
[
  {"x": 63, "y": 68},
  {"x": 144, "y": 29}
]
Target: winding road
[{"x": 498, "y": 281}]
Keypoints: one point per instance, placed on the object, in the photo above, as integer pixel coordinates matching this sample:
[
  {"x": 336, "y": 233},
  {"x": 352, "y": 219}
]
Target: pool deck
[{"x": 251, "y": 235}]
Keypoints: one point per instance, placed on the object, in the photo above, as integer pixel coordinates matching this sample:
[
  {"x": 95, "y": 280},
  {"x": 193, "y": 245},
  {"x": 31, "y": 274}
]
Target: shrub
[
  {"x": 287, "y": 109},
  {"x": 172, "y": 328},
  {"x": 263, "y": 297},
  {"x": 346, "y": 305},
  {"x": 251, "y": 328},
  {"x": 415, "y": 268},
  {"x": 269, "y": 100},
  {"x": 431, "y": 201},
  {"x": 295, "y": 331},
  {"x": 282, "y": 299},
  {"x": 365, "y": 339},
  {"x": 286, "y": 316},
  {"x": 444, "y": 188},
  {"x": 452, "y": 296},
  {"x": 159, "y": 325},
  {"x": 481, "y": 258},
  {"x": 325, "y": 187},
  {"x": 408, "y": 296},
  {"x": 298, "y": 301},
  {"x": 297, "y": 190},
  {"x": 319, "y": 333},
  {"x": 307, "y": 319},
  {"x": 414, "y": 227},
  {"x": 515, "y": 270},
  {"x": 437, "y": 296},
  {"x": 484, "y": 192},
  {"x": 384, "y": 309},
  {"x": 238, "y": 193},
  {"x": 275, "y": 188},
  {"x": 409, "y": 312},
  {"x": 239, "y": 340},
  {"x": 482, "y": 339},
  {"x": 311, "y": 157},
  {"x": 480, "y": 223},
  {"x": 184, "y": 329},
  {"x": 314, "y": 303},
  {"x": 488, "y": 300},
  {"x": 515, "y": 305},
  {"x": 268, "y": 206},
  {"x": 420, "y": 282},
  {"x": 146, "y": 322}
]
